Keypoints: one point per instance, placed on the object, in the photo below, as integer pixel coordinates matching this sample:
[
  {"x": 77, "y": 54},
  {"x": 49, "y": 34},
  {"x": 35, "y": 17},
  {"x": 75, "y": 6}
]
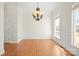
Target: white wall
[
  {"x": 33, "y": 29},
  {"x": 36, "y": 29},
  {"x": 1, "y": 28},
  {"x": 10, "y": 23},
  {"x": 13, "y": 23},
  {"x": 64, "y": 10},
  {"x": 19, "y": 23}
]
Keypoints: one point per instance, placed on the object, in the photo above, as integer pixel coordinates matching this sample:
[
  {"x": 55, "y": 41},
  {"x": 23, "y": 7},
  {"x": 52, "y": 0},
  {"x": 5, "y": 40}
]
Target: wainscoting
[{"x": 36, "y": 47}]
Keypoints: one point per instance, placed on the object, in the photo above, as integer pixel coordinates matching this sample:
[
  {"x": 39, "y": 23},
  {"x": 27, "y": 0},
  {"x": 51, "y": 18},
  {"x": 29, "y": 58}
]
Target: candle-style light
[{"x": 37, "y": 14}]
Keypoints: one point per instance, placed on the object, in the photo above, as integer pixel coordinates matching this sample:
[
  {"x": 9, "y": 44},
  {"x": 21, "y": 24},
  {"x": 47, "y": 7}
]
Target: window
[
  {"x": 75, "y": 16},
  {"x": 57, "y": 27}
]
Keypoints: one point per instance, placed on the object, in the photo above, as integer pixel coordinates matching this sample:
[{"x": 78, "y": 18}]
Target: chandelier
[{"x": 37, "y": 14}]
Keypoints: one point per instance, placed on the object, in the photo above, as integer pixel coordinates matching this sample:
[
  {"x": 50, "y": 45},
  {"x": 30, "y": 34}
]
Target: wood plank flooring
[{"x": 35, "y": 48}]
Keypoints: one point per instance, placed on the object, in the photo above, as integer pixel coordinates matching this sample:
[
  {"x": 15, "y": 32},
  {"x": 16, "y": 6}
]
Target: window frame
[
  {"x": 56, "y": 18},
  {"x": 74, "y": 7}
]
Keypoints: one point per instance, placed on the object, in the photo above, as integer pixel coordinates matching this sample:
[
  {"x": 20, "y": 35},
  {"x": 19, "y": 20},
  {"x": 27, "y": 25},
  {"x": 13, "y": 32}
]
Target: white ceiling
[{"x": 46, "y": 7}]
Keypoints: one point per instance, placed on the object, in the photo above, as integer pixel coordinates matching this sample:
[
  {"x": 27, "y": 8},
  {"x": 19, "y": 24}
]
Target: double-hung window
[
  {"x": 57, "y": 27},
  {"x": 75, "y": 16}
]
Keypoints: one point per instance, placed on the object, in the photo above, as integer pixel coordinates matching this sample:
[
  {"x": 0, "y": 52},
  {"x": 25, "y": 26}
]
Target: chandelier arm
[{"x": 37, "y": 14}]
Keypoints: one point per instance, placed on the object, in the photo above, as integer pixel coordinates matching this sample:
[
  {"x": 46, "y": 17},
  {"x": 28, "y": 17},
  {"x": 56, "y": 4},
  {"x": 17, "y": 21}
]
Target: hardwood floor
[{"x": 35, "y": 48}]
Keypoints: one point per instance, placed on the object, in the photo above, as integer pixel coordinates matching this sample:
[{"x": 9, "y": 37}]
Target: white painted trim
[
  {"x": 74, "y": 6},
  {"x": 10, "y": 42},
  {"x": 58, "y": 16},
  {"x": 14, "y": 42},
  {"x": 38, "y": 38},
  {"x": 2, "y": 52},
  {"x": 19, "y": 40}
]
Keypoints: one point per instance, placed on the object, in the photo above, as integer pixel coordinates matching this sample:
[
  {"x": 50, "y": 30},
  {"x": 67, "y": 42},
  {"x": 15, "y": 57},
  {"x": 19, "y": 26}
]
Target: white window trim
[
  {"x": 54, "y": 26},
  {"x": 74, "y": 7}
]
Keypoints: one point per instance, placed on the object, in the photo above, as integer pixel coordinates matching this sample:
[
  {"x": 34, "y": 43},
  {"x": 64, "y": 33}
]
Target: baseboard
[
  {"x": 10, "y": 41},
  {"x": 26, "y": 39},
  {"x": 37, "y": 39},
  {"x": 1, "y": 54},
  {"x": 63, "y": 47},
  {"x": 19, "y": 40},
  {"x": 14, "y": 42}
]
